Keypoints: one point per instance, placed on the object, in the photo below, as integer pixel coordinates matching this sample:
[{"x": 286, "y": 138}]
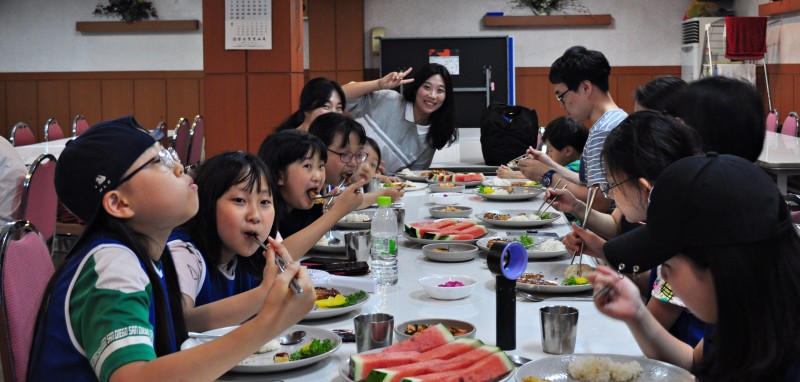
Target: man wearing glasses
[{"x": 580, "y": 81}]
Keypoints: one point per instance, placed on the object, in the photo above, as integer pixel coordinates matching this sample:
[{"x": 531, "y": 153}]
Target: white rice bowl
[
  {"x": 552, "y": 245},
  {"x": 603, "y": 369}
]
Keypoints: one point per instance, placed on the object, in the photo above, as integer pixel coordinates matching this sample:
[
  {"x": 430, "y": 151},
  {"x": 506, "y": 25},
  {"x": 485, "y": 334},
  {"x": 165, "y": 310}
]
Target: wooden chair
[
  {"x": 21, "y": 135},
  {"x": 182, "y": 139},
  {"x": 79, "y": 125},
  {"x": 25, "y": 270},
  {"x": 790, "y": 125},
  {"x": 52, "y": 130},
  {"x": 196, "y": 137},
  {"x": 772, "y": 120},
  {"x": 39, "y": 201}
]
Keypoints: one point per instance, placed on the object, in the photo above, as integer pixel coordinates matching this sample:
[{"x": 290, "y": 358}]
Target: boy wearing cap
[
  {"x": 580, "y": 79},
  {"x": 731, "y": 254}
]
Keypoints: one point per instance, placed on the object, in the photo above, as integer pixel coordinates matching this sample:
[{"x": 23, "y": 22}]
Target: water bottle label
[{"x": 385, "y": 246}]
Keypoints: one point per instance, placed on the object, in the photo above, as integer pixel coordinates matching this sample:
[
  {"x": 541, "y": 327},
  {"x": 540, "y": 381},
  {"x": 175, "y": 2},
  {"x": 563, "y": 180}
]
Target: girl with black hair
[
  {"x": 410, "y": 127},
  {"x": 112, "y": 311},
  {"x": 214, "y": 252},
  {"x": 296, "y": 159},
  {"x": 319, "y": 96}
]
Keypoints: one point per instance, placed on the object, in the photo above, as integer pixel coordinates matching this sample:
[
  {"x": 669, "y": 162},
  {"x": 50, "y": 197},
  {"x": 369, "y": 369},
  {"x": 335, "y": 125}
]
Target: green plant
[
  {"x": 127, "y": 10},
  {"x": 544, "y": 7}
]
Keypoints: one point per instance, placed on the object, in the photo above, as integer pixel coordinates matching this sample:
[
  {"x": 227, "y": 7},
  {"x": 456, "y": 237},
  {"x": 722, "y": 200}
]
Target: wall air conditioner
[{"x": 694, "y": 45}]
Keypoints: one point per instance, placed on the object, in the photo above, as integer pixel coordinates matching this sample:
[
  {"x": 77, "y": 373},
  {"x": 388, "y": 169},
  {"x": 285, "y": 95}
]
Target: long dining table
[
  {"x": 597, "y": 333},
  {"x": 780, "y": 156}
]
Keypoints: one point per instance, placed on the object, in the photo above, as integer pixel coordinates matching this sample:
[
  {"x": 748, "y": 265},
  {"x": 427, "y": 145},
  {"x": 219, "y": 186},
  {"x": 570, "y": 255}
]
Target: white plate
[
  {"x": 411, "y": 186},
  {"x": 468, "y": 184},
  {"x": 463, "y": 212},
  {"x": 416, "y": 177},
  {"x": 520, "y": 193},
  {"x": 344, "y": 369},
  {"x": 490, "y": 233},
  {"x": 553, "y": 272},
  {"x": 533, "y": 252},
  {"x": 262, "y": 363},
  {"x": 318, "y": 313},
  {"x": 491, "y": 183},
  {"x": 555, "y": 368},
  {"x": 517, "y": 224},
  {"x": 457, "y": 252},
  {"x": 356, "y": 225},
  {"x": 332, "y": 248}
]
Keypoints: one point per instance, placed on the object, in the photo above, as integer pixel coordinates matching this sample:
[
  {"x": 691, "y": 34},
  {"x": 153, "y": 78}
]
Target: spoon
[
  {"x": 287, "y": 339},
  {"x": 518, "y": 360},
  {"x": 332, "y": 240},
  {"x": 530, "y": 296},
  {"x": 292, "y": 338}
]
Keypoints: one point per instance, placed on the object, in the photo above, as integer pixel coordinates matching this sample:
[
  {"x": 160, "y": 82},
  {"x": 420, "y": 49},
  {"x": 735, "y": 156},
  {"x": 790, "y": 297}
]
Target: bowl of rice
[{"x": 600, "y": 367}]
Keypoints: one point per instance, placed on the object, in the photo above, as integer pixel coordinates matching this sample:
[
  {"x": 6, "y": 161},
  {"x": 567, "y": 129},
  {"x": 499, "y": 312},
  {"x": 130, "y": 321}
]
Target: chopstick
[
  {"x": 321, "y": 197},
  {"x": 590, "y": 201},
  {"x": 553, "y": 200},
  {"x": 544, "y": 202},
  {"x": 281, "y": 263},
  {"x": 345, "y": 179},
  {"x": 517, "y": 159}
]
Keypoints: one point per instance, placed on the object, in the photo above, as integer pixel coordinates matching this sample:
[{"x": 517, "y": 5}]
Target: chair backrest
[
  {"x": 790, "y": 125},
  {"x": 772, "y": 120},
  {"x": 79, "y": 125},
  {"x": 182, "y": 139},
  {"x": 39, "y": 199},
  {"x": 25, "y": 268},
  {"x": 22, "y": 135},
  {"x": 162, "y": 126},
  {"x": 196, "y": 140},
  {"x": 52, "y": 130}
]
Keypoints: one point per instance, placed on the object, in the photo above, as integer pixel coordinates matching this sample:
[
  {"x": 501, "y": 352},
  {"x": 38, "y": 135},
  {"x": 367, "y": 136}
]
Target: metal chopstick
[
  {"x": 544, "y": 202},
  {"x": 281, "y": 263},
  {"x": 590, "y": 195},
  {"x": 553, "y": 200}
]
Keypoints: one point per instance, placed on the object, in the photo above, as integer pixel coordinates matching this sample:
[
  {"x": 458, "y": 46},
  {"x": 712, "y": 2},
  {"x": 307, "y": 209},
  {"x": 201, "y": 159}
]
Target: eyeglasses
[
  {"x": 167, "y": 157},
  {"x": 605, "y": 188},
  {"x": 347, "y": 157},
  {"x": 560, "y": 97}
]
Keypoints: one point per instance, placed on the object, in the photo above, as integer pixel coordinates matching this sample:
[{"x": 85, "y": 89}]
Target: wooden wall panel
[
  {"x": 327, "y": 74},
  {"x": 225, "y": 112},
  {"x": 53, "y": 102},
  {"x": 149, "y": 101},
  {"x": 626, "y": 89},
  {"x": 350, "y": 34},
  {"x": 5, "y": 129},
  {"x": 322, "y": 37},
  {"x": 117, "y": 98},
  {"x": 215, "y": 58},
  {"x": 183, "y": 100},
  {"x": 286, "y": 54},
  {"x": 267, "y": 106},
  {"x": 21, "y": 105},
  {"x": 85, "y": 99},
  {"x": 345, "y": 76}
]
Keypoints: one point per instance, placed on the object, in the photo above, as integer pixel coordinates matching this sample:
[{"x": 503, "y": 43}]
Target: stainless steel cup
[
  {"x": 400, "y": 213},
  {"x": 559, "y": 329},
  {"x": 373, "y": 331},
  {"x": 357, "y": 245}
]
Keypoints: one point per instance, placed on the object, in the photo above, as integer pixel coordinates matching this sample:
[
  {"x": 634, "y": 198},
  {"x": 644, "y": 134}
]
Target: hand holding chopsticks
[
  {"x": 549, "y": 203},
  {"x": 591, "y": 192},
  {"x": 294, "y": 285}
]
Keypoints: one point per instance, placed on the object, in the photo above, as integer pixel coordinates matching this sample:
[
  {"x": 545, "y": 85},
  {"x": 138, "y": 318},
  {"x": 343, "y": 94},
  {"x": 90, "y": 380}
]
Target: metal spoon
[
  {"x": 332, "y": 240},
  {"x": 292, "y": 338},
  {"x": 530, "y": 296},
  {"x": 518, "y": 360}
]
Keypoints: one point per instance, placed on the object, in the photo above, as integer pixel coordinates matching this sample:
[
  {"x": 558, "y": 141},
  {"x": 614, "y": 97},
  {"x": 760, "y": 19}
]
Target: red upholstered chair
[
  {"x": 52, "y": 130},
  {"x": 196, "y": 137},
  {"x": 772, "y": 120},
  {"x": 25, "y": 268},
  {"x": 79, "y": 125},
  {"x": 39, "y": 200},
  {"x": 165, "y": 141},
  {"x": 21, "y": 135},
  {"x": 182, "y": 139},
  {"x": 790, "y": 125}
]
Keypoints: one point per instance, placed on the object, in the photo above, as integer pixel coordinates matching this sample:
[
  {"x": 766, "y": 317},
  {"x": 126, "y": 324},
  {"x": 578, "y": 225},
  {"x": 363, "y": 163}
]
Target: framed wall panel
[
  {"x": 21, "y": 105},
  {"x": 85, "y": 97},
  {"x": 117, "y": 98},
  {"x": 150, "y": 101}
]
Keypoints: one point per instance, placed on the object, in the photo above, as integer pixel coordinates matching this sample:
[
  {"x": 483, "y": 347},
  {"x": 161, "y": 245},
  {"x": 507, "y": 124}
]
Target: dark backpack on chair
[{"x": 506, "y": 132}]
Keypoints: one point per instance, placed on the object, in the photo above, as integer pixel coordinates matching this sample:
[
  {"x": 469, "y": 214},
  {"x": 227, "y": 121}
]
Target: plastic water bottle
[{"x": 384, "y": 243}]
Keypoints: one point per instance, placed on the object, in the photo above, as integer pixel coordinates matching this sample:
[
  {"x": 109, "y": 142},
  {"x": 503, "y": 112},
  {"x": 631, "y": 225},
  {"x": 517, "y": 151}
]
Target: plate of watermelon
[
  {"x": 449, "y": 230},
  {"x": 468, "y": 179},
  {"x": 431, "y": 356}
]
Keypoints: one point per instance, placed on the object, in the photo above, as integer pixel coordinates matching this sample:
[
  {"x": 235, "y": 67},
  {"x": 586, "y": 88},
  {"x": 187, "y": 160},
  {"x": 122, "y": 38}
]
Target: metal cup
[
  {"x": 400, "y": 213},
  {"x": 559, "y": 329},
  {"x": 357, "y": 245},
  {"x": 373, "y": 331}
]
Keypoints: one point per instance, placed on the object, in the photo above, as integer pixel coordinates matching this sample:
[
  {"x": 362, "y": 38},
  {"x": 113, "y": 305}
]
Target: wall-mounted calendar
[{"x": 248, "y": 24}]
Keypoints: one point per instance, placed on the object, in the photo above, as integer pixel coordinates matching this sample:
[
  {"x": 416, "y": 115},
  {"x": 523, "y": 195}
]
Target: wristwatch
[{"x": 547, "y": 178}]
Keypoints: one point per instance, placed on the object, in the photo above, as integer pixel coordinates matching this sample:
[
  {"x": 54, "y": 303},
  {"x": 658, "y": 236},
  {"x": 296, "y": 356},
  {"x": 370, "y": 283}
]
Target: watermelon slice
[
  {"x": 461, "y": 361},
  {"x": 424, "y": 341},
  {"x": 362, "y": 364},
  {"x": 472, "y": 177},
  {"x": 487, "y": 369},
  {"x": 475, "y": 231}
]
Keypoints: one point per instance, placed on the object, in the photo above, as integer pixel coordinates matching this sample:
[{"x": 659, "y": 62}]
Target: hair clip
[{"x": 621, "y": 268}]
